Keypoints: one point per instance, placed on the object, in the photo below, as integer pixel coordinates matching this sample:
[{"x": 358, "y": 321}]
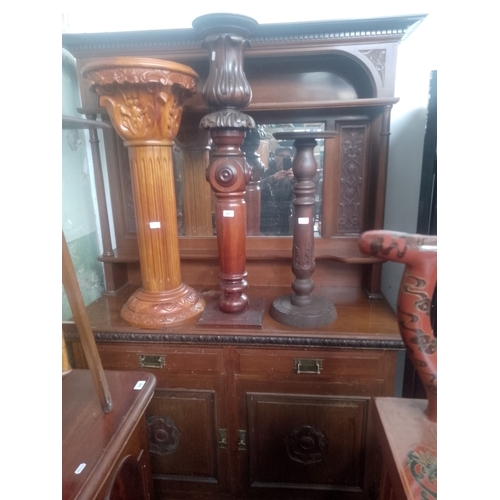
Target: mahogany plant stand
[
  {"x": 144, "y": 99},
  {"x": 303, "y": 309},
  {"x": 226, "y": 91}
]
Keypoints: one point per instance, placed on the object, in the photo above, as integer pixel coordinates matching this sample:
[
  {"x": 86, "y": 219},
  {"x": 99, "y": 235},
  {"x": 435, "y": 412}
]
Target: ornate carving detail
[
  {"x": 163, "y": 435},
  {"x": 306, "y": 444},
  {"x": 377, "y": 57},
  {"x": 144, "y": 101},
  {"x": 139, "y": 114},
  {"x": 226, "y": 174},
  {"x": 207, "y": 338},
  {"x": 282, "y": 38},
  {"x": 303, "y": 260},
  {"x": 154, "y": 310},
  {"x": 226, "y": 84},
  {"x": 227, "y": 118},
  {"x": 351, "y": 180},
  {"x": 102, "y": 80}
]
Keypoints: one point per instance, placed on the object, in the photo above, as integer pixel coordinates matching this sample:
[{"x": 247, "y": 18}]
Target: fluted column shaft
[{"x": 157, "y": 233}]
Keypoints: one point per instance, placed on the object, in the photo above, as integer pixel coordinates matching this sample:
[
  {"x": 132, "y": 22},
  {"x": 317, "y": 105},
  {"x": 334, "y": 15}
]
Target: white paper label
[
  {"x": 213, "y": 55},
  {"x": 80, "y": 468},
  {"x": 303, "y": 220},
  {"x": 228, "y": 213},
  {"x": 139, "y": 385},
  {"x": 154, "y": 225}
]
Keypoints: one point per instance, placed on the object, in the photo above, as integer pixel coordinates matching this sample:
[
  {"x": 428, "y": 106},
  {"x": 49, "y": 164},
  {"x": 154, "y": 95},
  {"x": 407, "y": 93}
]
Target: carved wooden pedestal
[
  {"x": 226, "y": 91},
  {"x": 144, "y": 99},
  {"x": 302, "y": 309}
]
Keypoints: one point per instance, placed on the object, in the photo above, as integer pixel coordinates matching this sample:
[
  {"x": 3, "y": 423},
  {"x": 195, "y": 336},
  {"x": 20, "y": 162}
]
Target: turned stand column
[
  {"x": 144, "y": 99},
  {"x": 226, "y": 90},
  {"x": 303, "y": 309}
]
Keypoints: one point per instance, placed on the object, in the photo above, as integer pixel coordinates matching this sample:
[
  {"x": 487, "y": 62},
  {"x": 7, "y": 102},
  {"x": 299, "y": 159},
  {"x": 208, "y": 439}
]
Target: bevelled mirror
[{"x": 276, "y": 183}]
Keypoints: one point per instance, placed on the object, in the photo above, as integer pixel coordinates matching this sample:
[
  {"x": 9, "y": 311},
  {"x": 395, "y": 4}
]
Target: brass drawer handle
[
  {"x": 151, "y": 361},
  {"x": 308, "y": 366}
]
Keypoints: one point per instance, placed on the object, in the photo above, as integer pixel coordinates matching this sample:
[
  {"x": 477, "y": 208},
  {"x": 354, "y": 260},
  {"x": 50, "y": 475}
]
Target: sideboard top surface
[{"x": 361, "y": 323}]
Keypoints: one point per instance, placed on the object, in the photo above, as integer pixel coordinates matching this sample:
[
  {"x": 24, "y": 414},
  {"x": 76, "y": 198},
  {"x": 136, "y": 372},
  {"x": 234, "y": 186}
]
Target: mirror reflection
[
  {"x": 278, "y": 181},
  {"x": 196, "y": 202}
]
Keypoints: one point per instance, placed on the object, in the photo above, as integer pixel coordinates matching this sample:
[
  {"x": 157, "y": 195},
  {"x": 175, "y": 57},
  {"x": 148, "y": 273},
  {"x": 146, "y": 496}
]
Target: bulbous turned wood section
[
  {"x": 419, "y": 254},
  {"x": 144, "y": 99},
  {"x": 226, "y": 91},
  {"x": 303, "y": 309}
]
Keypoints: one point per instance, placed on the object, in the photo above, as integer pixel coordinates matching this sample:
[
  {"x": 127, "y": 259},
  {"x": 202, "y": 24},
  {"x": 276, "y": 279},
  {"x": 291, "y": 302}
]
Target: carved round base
[
  {"x": 319, "y": 312},
  {"x": 155, "y": 310}
]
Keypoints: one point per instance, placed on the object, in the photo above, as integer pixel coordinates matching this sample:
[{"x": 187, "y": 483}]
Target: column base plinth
[
  {"x": 319, "y": 312},
  {"x": 156, "y": 310}
]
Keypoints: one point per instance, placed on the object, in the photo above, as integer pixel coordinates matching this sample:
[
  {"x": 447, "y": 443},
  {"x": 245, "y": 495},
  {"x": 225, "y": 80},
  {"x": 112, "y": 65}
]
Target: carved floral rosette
[{"x": 144, "y": 97}]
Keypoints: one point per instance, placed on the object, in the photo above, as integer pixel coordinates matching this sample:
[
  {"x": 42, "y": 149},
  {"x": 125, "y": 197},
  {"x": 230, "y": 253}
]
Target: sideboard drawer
[
  {"x": 317, "y": 364},
  {"x": 158, "y": 359}
]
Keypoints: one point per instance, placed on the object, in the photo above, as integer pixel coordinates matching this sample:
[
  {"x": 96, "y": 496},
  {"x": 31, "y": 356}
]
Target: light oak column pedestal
[{"x": 144, "y": 99}]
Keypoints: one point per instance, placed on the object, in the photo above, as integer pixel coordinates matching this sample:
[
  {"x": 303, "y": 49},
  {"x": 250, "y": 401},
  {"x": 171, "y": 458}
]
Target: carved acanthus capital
[
  {"x": 231, "y": 118},
  {"x": 144, "y": 98}
]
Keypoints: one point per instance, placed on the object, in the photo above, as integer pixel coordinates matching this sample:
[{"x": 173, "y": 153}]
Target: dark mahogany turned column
[
  {"x": 302, "y": 309},
  {"x": 144, "y": 99},
  {"x": 226, "y": 91}
]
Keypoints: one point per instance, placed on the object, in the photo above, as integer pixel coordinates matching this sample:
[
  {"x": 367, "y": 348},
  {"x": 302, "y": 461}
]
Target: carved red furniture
[
  {"x": 406, "y": 428},
  {"x": 419, "y": 254},
  {"x": 144, "y": 99}
]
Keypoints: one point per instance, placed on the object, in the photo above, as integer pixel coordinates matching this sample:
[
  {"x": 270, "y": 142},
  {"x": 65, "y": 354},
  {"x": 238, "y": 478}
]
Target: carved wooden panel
[
  {"x": 352, "y": 178},
  {"x": 181, "y": 433},
  {"x": 301, "y": 441}
]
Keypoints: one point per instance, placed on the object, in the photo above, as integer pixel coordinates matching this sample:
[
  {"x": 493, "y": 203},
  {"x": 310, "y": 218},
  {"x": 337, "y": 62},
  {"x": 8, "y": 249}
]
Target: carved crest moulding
[{"x": 371, "y": 43}]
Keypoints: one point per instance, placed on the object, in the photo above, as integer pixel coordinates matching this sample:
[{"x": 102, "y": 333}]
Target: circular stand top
[
  {"x": 213, "y": 24},
  {"x": 142, "y": 63},
  {"x": 326, "y": 134}
]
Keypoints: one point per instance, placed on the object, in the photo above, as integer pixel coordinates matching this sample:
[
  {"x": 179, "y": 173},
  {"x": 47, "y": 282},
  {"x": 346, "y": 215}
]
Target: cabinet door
[
  {"x": 300, "y": 442},
  {"x": 185, "y": 419},
  {"x": 183, "y": 440},
  {"x": 306, "y": 420}
]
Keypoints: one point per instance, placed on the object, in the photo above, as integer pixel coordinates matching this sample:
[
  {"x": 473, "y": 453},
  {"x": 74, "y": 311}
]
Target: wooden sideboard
[
  {"x": 270, "y": 413},
  {"x": 276, "y": 412}
]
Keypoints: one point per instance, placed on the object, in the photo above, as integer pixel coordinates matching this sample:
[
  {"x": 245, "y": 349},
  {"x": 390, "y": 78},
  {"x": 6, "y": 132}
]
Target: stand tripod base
[
  {"x": 319, "y": 312},
  {"x": 156, "y": 310}
]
